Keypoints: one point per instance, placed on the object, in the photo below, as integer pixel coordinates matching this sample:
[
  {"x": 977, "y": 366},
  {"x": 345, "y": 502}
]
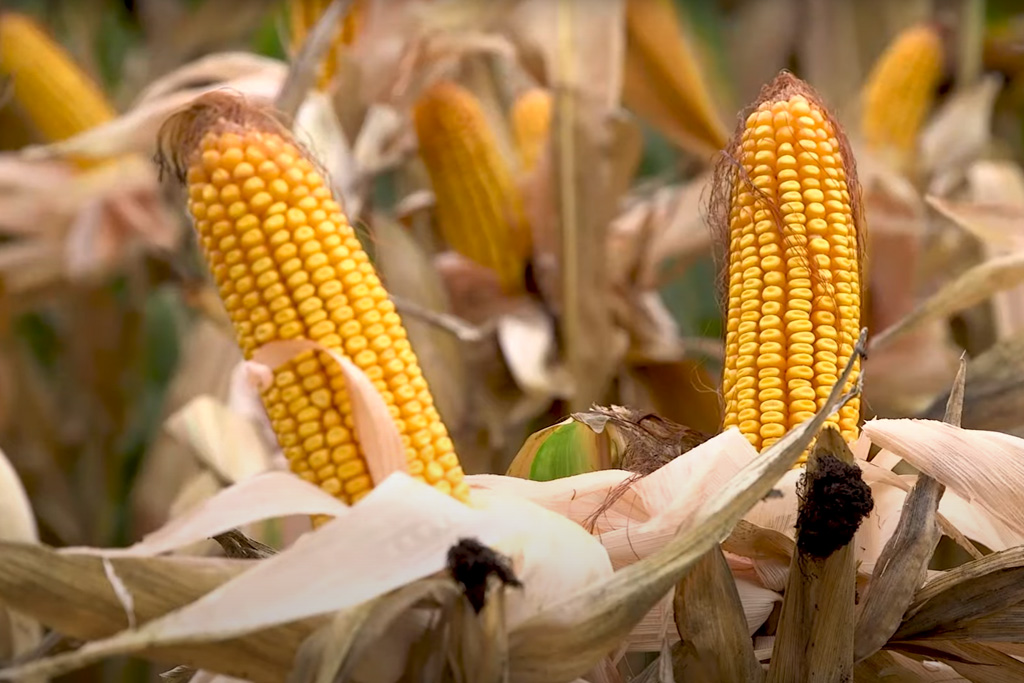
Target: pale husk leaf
[
  {"x": 379, "y": 440},
  {"x": 270, "y": 495},
  {"x": 971, "y": 287},
  {"x": 19, "y": 634},
  {"x": 903, "y": 563},
  {"x": 388, "y": 542},
  {"x": 573, "y": 634},
  {"x": 72, "y": 594},
  {"x": 225, "y": 442},
  {"x": 985, "y": 468}
]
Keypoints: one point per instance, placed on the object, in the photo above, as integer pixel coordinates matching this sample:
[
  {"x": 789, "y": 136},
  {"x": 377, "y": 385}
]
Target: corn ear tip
[
  {"x": 436, "y": 97},
  {"x": 784, "y": 86},
  {"x": 179, "y": 135}
]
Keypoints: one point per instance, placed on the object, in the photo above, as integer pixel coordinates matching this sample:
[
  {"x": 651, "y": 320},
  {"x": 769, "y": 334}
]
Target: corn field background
[{"x": 124, "y": 403}]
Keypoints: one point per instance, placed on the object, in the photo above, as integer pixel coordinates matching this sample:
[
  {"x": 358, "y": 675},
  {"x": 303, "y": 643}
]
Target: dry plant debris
[{"x": 724, "y": 408}]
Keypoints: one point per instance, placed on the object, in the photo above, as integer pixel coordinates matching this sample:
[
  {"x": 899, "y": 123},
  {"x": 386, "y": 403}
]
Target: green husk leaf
[
  {"x": 571, "y": 636},
  {"x": 564, "y": 453}
]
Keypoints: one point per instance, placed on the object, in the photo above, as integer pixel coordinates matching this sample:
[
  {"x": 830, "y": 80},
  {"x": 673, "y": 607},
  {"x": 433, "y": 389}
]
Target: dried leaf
[
  {"x": 957, "y": 133},
  {"x": 269, "y": 495},
  {"x": 226, "y": 443},
  {"x": 976, "y": 662},
  {"x": 710, "y": 620},
  {"x": 903, "y": 563},
  {"x": 971, "y": 287},
  {"x": 19, "y": 634},
  {"x": 994, "y": 398},
  {"x": 810, "y": 640},
  {"x": 336, "y": 648},
  {"x": 974, "y": 590},
  {"x": 527, "y": 339},
  {"x": 985, "y": 468},
  {"x": 71, "y": 594},
  {"x": 1000, "y": 225}
]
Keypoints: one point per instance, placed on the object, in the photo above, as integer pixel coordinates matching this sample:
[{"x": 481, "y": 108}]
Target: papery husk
[
  {"x": 72, "y": 594},
  {"x": 19, "y": 634},
  {"x": 393, "y": 554},
  {"x": 903, "y": 564},
  {"x": 710, "y": 621},
  {"x": 812, "y": 643},
  {"x": 983, "y": 467}
]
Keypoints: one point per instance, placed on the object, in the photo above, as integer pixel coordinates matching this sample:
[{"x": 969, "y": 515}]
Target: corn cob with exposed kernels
[
  {"x": 288, "y": 265},
  {"x": 531, "y": 124},
  {"x": 901, "y": 88},
  {"x": 480, "y": 210},
  {"x": 303, "y": 16},
  {"x": 56, "y": 95},
  {"x": 794, "y": 288}
]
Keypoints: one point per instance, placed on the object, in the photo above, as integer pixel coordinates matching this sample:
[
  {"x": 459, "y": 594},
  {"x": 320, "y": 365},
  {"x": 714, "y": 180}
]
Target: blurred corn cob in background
[
  {"x": 288, "y": 265},
  {"x": 480, "y": 209},
  {"x": 531, "y": 125},
  {"x": 663, "y": 81},
  {"x": 58, "y": 98},
  {"x": 794, "y": 266},
  {"x": 900, "y": 91},
  {"x": 303, "y": 15}
]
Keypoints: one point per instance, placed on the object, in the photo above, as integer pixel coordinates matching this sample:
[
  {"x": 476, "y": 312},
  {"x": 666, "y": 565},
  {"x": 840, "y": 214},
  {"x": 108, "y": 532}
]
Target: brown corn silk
[
  {"x": 288, "y": 265},
  {"x": 786, "y": 203},
  {"x": 480, "y": 209}
]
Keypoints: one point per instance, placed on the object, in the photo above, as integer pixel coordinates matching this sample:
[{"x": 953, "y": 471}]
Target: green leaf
[{"x": 563, "y": 454}]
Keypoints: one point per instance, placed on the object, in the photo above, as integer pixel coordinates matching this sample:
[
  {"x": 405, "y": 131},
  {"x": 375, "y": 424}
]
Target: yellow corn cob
[
  {"x": 56, "y": 95},
  {"x": 901, "y": 88},
  {"x": 531, "y": 121},
  {"x": 288, "y": 265},
  {"x": 794, "y": 267},
  {"x": 305, "y": 14},
  {"x": 480, "y": 209},
  {"x": 663, "y": 81}
]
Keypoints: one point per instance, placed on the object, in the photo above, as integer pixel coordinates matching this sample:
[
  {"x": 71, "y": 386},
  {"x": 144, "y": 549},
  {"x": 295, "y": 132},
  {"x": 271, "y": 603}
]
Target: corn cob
[
  {"x": 531, "y": 122},
  {"x": 288, "y": 265},
  {"x": 901, "y": 88},
  {"x": 663, "y": 79},
  {"x": 480, "y": 210},
  {"x": 793, "y": 312},
  {"x": 305, "y": 13},
  {"x": 57, "y": 97}
]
